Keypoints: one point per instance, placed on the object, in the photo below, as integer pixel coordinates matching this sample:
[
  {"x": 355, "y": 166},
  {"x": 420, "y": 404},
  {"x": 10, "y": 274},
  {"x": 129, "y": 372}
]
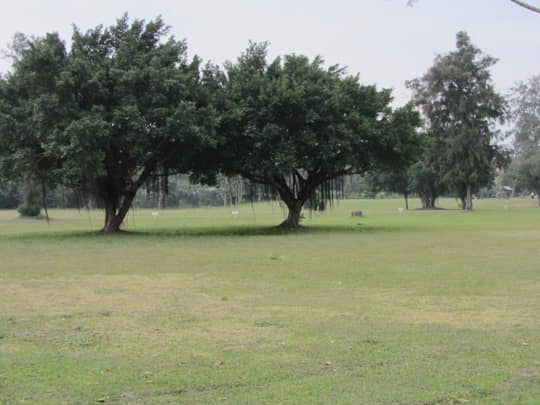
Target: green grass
[{"x": 430, "y": 307}]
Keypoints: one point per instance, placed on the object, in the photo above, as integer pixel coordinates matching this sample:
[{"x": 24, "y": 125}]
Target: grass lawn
[{"x": 198, "y": 307}]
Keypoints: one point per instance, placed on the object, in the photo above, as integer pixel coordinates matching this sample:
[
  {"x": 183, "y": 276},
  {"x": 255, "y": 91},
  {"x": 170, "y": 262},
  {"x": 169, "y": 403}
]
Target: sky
[{"x": 383, "y": 41}]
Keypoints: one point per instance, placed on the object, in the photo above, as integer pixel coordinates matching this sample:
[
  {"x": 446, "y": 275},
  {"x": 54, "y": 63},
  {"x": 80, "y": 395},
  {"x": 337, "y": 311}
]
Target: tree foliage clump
[
  {"x": 297, "y": 128},
  {"x": 461, "y": 108},
  {"x": 426, "y": 181},
  {"x": 393, "y": 181}
]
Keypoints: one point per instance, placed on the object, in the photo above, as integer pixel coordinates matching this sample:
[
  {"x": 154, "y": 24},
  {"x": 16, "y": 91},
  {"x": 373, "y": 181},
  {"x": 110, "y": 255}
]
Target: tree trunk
[
  {"x": 469, "y": 204},
  {"x": 538, "y": 197},
  {"x": 428, "y": 201},
  {"x": 44, "y": 198},
  {"x": 293, "y": 218},
  {"x": 162, "y": 200},
  {"x": 406, "y": 201},
  {"x": 463, "y": 202},
  {"x": 115, "y": 213}
]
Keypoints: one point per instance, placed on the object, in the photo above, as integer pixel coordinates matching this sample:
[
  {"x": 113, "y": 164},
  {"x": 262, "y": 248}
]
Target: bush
[{"x": 31, "y": 210}]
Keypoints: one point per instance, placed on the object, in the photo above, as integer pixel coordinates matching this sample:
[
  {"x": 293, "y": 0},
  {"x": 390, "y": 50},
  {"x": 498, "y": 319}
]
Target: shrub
[{"x": 30, "y": 210}]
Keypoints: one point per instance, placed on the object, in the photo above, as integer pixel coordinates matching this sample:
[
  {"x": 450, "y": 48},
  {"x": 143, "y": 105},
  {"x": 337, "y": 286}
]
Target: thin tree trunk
[
  {"x": 44, "y": 197},
  {"x": 406, "y": 201},
  {"x": 469, "y": 205}
]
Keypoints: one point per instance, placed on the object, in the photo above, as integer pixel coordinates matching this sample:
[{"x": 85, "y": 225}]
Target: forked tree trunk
[
  {"x": 428, "y": 201},
  {"x": 112, "y": 221},
  {"x": 115, "y": 213},
  {"x": 293, "y": 217}
]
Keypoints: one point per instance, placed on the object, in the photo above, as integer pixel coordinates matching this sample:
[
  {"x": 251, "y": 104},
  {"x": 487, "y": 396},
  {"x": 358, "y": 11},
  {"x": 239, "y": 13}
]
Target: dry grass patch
[{"x": 460, "y": 312}]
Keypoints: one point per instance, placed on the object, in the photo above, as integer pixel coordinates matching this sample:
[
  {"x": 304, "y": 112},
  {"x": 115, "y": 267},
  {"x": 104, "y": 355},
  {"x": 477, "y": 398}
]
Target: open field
[{"x": 430, "y": 307}]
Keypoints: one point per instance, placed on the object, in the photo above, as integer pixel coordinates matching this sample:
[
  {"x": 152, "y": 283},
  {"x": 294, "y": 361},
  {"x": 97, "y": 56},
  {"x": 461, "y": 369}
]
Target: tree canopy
[
  {"x": 297, "y": 127},
  {"x": 123, "y": 106}
]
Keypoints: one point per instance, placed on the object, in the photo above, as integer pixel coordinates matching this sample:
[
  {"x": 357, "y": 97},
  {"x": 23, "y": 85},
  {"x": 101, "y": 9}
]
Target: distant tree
[
  {"x": 461, "y": 108},
  {"x": 298, "y": 128},
  {"x": 356, "y": 186},
  {"x": 393, "y": 181},
  {"x": 426, "y": 181},
  {"x": 124, "y": 106},
  {"x": 232, "y": 189},
  {"x": 528, "y": 172},
  {"x": 525, "y": 102},
  {"x": 9, "y": 194}
]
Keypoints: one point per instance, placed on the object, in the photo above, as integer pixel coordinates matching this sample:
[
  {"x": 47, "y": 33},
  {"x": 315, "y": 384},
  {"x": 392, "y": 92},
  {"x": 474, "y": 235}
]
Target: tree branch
[
  {"x": 530, "y": 7},
  {"x": 253, "y": 178},
  {"x": 527, "y": 6}
]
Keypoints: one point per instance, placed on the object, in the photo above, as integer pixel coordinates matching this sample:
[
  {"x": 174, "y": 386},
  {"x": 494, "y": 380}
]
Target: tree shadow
[{"x": 204, "y": 231}]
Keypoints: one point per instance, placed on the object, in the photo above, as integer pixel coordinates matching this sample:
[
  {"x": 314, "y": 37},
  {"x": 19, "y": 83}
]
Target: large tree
[
  {"x": 123, "y": 106},
  {"x": 461, "y": 108},
  {"x": 297, "y": 127},
  {"x": 525, "y": 101}
]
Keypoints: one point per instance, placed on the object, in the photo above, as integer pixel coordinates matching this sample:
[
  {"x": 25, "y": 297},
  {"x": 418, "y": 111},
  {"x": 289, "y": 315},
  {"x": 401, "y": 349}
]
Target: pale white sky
[{"x": 382, "y": 40}]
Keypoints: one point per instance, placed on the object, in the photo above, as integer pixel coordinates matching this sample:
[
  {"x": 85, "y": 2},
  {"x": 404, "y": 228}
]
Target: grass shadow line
[{"x": 206, "y": 231}]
